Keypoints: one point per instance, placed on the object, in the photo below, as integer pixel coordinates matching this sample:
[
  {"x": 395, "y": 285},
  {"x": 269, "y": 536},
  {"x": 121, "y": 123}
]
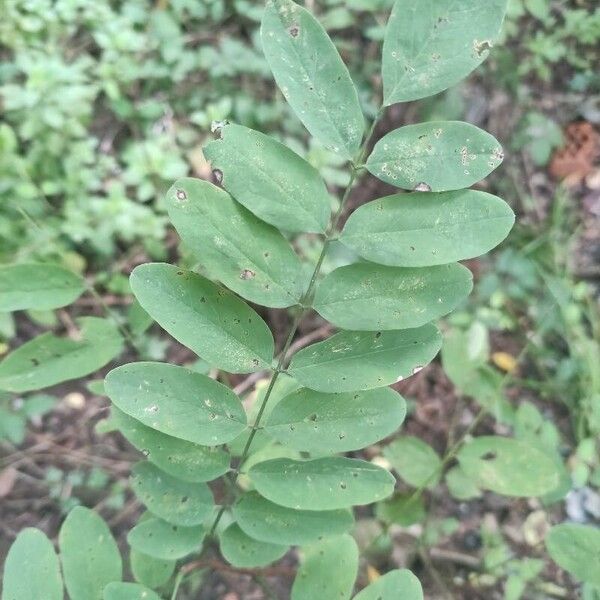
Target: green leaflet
[
  {"x": 403, "y": 510},
  {"x": 177, "y": 401},
  {"x": 432, "y": 44},
  {"x": 150, "y": 571},
  {"x": 395, "y": 585},
  {"x": 244, "y": 552},
  {"x": 38, "y": 287},
  {"x": 181, "y": 459},
  {"x": 270, "y": 180},
  {"x": 328, "y": 570},
  {"x": 436, "y": 156},
  {"x": 312, "y": 76},
  {"x": 330, "y": 423},
  {"x": 420, "y": 229},
  {"x": 31, "y": 569},
  {"x": 250, "y": 257},
  {"x": 576, "y": 548},
  {"x": 276, "y": 524},
  {"x": 321, "y": 484},
  {"x": 89, "y": 554},
  {"x": 208, "y": 319},
  {"x": 47, "y": 359},
  {"x": 361, "y": 360},
  {"x": 165, "y": 541},
  {"x": 373, "y": 297},
  {"x": 509, "y": 467},
  {"x": 175, "y": 501},
  {"x": 128, "y": 591},
  {"x": 414, "y": 460},
  {"x": 460, "y": 485}
]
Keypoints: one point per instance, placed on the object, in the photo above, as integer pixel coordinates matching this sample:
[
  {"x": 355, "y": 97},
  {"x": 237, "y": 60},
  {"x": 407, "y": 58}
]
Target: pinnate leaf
[
  {"x": 268, "y": 522},
  {"x": 181, "y": 459},
  {"x": 576, "y": 548},
  {"x": 362, "y": 360},
  {"x": 509, "y": 467},
  {"x": 436, "y": 156},
  {"x": 420, "y": 229},
  {"x": 242, "y": 551},
  {"x": 205, "y": 317},
  {"x": 175, "y": 501},
  {"x": 38, "y": 287},
  {"x": 249, "y": 256},
  {"x": 328, "y": 570},
  {"x": 373, "y": 297},
  {"x": 89, "y": 554},
  {"x": 316, "y": 422},
  {"x": 432, "y": 44},
  {"x": 270, "y": 180},
  {"x": 31, "y": 569},
  {"x": 321, "y": 484},
  {"x": 49, "y": 359},
  {"x": 312, "y": 77},
  {"x": 177, "y": 401},
  {"x": 400, "y": 584}
]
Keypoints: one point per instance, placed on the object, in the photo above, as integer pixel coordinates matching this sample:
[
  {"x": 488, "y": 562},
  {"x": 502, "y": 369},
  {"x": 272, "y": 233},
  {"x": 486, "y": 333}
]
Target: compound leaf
[
  {"x": 175, "y": 501},
  {"x": 150, "y": 571},
  {"x": 205, "y": 317},
  {"x": 509, "y": 467},
  {"x": 177, "y": 401},
  {"x": 576, "y": 548},
  {"x": 436, "y": 156},
  {"x": 328, "y": 570},
  {"x": 119, "y": 590},
  {"x": 48, "y": 359},
  {"x": 31, "y": 569},
  {"x": 316, "y": 422},
  {"x": 268, "y": 522},
  {"x": 400, "y": 583},
  {"x": 270, "y": 180},
  {"x": 37, "y": 287},
  {"x": 431, "y": 45},
  {"x": 89, "y": 554},
  {"x": 414, "y": 460},
  {"x": 312, "y": 76},
  {"x": 163, "y": 540},
  {"x": 362, "y": 360},
  {"x": 181, "y": 459},
  {"x": 373, "y": 297},
  {"x": 249, "y": 256},
  {"x": 321, "y": 484},
  {"x": 420, "y": 229},
  {"x": 242, "y": 551}
]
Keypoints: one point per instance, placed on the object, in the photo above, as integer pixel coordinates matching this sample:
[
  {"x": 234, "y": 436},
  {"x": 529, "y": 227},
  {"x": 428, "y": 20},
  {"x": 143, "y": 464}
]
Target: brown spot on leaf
[
  {"x": 294, "y": 31},
  {"x": 218, "y": 175},
  {"x": 481, "y": 47},
  {"x": 247, "y": 274}
]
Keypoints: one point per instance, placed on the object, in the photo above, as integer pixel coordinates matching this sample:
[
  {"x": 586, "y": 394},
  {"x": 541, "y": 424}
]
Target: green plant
[{"x": 282, "y": 461}]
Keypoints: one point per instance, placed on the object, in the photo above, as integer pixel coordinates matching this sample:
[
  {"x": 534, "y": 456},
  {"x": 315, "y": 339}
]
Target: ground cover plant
[{"x": 290, "y": 469}]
